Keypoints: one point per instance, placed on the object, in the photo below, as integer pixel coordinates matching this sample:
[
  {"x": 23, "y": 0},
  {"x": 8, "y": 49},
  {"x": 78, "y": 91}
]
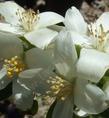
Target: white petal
[
  {"x": 92, "y": 64},
  {"x": 4, "y": 80},
  {"x": 8, "y": 10},
  {"x": 8, "y": 28},
  {"x": 41, "y": 38},
  {"x": 103, "y": 19},
  {"x": 74, "y": 21},
  {"x": 10, "y": 45},
  {"x": 65, "y": 55},
  {"x": 49, "y": 18},
  {"x": 28, "y": 78},
  {"x": 30, "y": 73},
  {"x": 95, "y": 92},
  {"x": 23, "y": 98},
  {"x": 37, "y": 58},
  {"x": 88, "y": 97},
  {"x": 36, "y": 79},
  {"x": 81, "y": 40},
  {"x": 81, "y": 113},
  {"x": 63, "y": 108}
]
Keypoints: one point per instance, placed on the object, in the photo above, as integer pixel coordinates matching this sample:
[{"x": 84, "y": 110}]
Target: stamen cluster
[
  {"x": 28, "y": 18},
  {"x": 99, "y": 35},
  {"x": 59, "y": 88},
  {"x": 13, "y": 66}
]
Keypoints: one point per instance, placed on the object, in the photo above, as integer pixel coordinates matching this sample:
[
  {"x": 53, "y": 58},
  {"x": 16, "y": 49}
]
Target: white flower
[
  {"x": 10, "y": 47},
  {"x": 84, "y": 94},
  {"x": 28, "y": 23},
  {"x": 64, "y": 83},
  {"x": 12, "y": 63},
  {"x": 94, "y": 39},
  {"x": 94, "y": 35}
]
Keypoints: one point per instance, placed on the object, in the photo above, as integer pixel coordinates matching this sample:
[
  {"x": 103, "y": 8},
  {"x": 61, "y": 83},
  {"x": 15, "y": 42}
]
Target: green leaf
[
  {"x": 50, "y": 111},
  {"x": 6, "y": 92},
  {"x": 34, "y": 108}
]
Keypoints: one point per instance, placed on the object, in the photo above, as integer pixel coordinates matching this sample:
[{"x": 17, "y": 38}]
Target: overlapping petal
[
  {"x": 74, "y": 21},
  {"x": 81, "y": 40},
  {"x": 37, "y": 58},
  {"x": 5, "y": 27},
  {"x": 36, "y": 79},
  {"x": 23, "y": 97},
  {"x": 92, "y": 65},
  {"x": 63, "y": 109},
  {"x": 10, "y": 46},
  {"x": 88, "y": 97},
  {"x": 28, "y": 78},
  {"x": 8, "y": 11},
  {"x": 65, "y": 55},
  {"x": 49, "y": 18},
  {"x": 41, "y": 37}
]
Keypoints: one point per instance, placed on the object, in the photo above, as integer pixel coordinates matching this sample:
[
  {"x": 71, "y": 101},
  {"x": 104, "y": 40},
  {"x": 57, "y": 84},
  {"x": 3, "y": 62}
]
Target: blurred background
[{"x": 91, "y": 10}]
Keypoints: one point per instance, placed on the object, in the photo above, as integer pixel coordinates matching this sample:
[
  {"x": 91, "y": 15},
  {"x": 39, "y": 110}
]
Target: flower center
[
  {"x": 59, "y": 88},
  {"x": 13, "y": 66},
  {"x": 99, "y": 36},
  {"x": 28, "y": 18}
]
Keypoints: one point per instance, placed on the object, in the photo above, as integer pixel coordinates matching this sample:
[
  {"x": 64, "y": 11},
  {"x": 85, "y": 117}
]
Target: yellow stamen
[
  {"x": 28, "y": 18},
  {"x": 14, "y": 66},
  {"x": 99, "y": 35},
  {"x": 59, "y": 88}
]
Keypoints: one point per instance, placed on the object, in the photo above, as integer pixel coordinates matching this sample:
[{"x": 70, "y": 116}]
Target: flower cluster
[{"x": 69, "y": 63}]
